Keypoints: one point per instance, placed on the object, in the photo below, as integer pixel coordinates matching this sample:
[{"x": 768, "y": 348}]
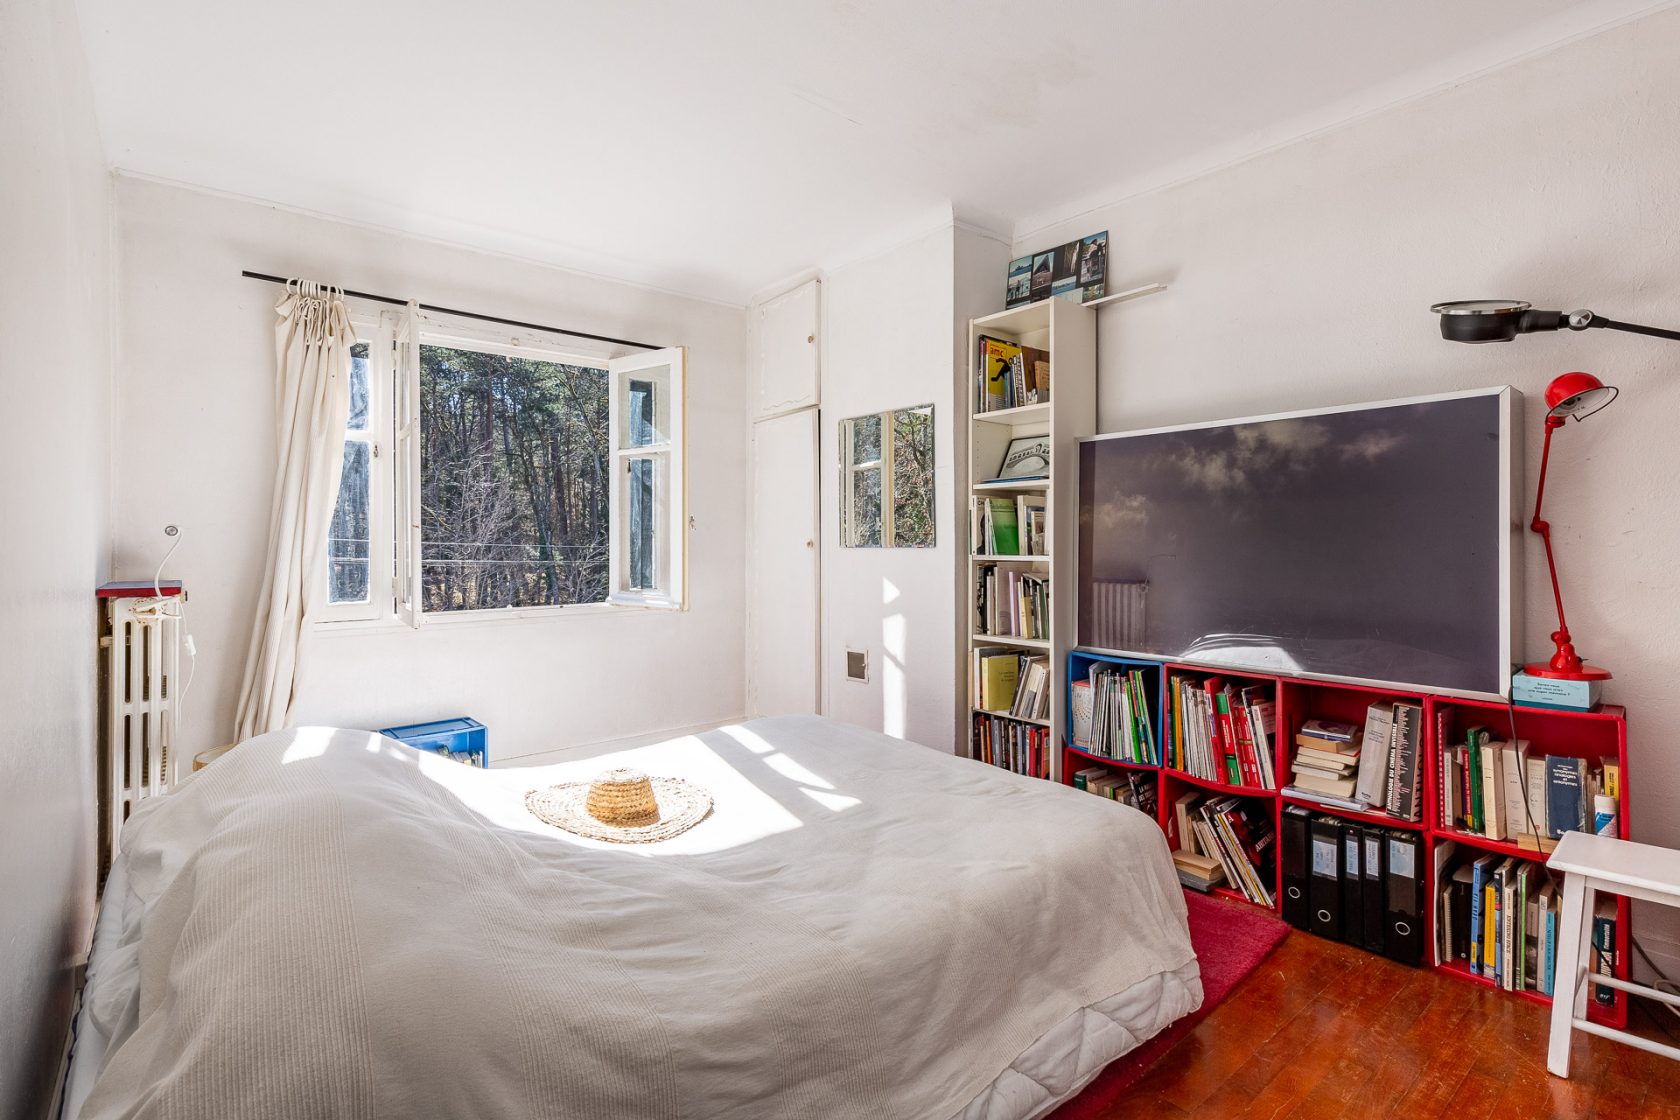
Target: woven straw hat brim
[{"x": 682, "y": 805}]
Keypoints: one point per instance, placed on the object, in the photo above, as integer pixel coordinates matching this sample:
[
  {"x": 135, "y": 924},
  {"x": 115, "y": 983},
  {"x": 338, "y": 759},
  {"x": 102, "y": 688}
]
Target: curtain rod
[{"x": 467, "y": 314}]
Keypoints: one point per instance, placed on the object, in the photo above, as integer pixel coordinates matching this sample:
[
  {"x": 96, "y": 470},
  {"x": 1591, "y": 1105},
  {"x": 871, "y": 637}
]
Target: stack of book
[
  {"x": 1500, "y": 916},
  {"x": 1004, "y": 526},
  {"x": 1506, "y": 791},
  {"x": 1129, "y": 787},
  {"x": 1012, "y": 603},
  {"x": 1198, "y": 872},
  {"x": 1220, "y": 733},
  {"x": 1020, "y": 747},
  {"x": 1007, "y": 682},
  {"x": 1009, "y": 375},
  {"x": 1326, "y": 753},
  {"x": 1111, "y": 715},
  {"x": 1236, "y": 833}
]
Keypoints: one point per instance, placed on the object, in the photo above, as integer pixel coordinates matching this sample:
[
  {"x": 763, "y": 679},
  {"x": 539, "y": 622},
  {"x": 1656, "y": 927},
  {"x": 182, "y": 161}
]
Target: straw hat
[{"x": 622, "y": 806}]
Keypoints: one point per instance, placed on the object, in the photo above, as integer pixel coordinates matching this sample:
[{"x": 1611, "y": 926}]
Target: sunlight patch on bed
[
  {"x": 307, "y": 742},
  {"x": 744, "y": 808},
  {"x": 792, "y": 770},
  {"x": 839, "y": 802}
]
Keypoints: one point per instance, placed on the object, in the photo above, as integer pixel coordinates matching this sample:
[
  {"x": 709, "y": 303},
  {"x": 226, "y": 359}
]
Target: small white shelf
[
  {"x": 1019, "y": 415},
  {"x": 1006, "y": 640},
  {"x": 1011, "y": 484},
  {"x": 1030, "y": 558},
  {"x": 1017, "y": 719}
]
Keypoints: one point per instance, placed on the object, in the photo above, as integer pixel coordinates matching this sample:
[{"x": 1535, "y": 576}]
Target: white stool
[{"x": 1591, "y": 864}]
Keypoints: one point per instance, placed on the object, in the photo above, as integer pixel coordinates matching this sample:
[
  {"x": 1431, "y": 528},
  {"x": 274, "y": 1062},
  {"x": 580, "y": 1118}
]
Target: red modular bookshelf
[{"x": 1593, "y": 735}]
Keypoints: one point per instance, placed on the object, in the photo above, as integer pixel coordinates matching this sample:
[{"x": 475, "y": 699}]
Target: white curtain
[{"x": 312, "y": 342}]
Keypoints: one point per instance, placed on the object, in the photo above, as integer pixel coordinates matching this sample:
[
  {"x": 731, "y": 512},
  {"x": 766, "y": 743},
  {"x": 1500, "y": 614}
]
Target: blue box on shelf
[
  {"x": 463, "y": 740},
  {"x": 1549, "y": 692}
]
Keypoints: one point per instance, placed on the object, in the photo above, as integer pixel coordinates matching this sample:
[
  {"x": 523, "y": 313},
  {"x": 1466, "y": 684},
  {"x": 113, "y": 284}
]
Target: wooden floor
[{"x": 1322, "y": 1030}]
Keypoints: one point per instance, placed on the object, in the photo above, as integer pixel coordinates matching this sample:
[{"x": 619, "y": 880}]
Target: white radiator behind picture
[
  {"x": 1117, "y": 614},
  {"x": 140, "y": 649}
]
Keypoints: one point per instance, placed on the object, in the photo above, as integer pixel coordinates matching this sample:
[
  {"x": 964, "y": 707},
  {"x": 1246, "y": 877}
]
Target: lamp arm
[
  {"x": 1631, "y": 328},
  {"x": 1544, "y": 529}
]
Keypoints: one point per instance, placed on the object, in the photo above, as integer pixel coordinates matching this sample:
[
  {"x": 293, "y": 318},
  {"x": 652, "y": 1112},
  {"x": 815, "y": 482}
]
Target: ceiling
[{"x": 716, "y": 147}]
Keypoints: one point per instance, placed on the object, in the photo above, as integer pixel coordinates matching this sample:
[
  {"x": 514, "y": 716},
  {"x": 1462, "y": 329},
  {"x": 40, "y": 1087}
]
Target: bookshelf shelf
[
  {"x": 1007, "y": 715},
  {"x": 1482, "y": 843},
  {"x": 1218, "y": 787},
  {"x": 1006, "y": 640},
  {"x": 1083, "y": 754},
  {"x": 991, "y": 486},
  {"x": 1067, "y": 334},
  {"x": 1381, "y": 820},
  {"x": 1019, "y": 416}
]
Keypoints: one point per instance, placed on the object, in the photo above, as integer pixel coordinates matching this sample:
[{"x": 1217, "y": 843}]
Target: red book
[{"x": 1245, "y": 744}]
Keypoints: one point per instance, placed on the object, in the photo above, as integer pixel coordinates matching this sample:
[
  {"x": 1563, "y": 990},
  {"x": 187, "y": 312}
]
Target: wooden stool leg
[{"x": 1567, "y": 979}]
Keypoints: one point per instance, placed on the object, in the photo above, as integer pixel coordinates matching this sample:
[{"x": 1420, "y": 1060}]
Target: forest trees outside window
[{"x": 513, "y": 478}]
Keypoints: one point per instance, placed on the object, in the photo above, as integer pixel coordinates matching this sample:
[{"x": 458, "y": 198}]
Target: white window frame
[
  {"x": 378, "y": 436},
  {"x": 394, "y": 340},
  {"x": 671, "y": 583}
]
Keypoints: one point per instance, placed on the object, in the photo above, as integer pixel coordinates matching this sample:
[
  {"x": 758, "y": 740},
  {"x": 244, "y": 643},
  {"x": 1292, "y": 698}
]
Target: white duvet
[{"x": 328, "y": 924}]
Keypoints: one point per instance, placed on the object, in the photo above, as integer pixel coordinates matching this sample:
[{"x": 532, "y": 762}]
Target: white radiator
[{"x": 141, "y": 647}]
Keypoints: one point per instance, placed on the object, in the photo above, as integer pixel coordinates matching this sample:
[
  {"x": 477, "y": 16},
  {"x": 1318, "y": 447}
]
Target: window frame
[
  {"x": 394, "y": 339},
  {"x": 672, "y": 522},
  {"x": 381, "y": 528}
]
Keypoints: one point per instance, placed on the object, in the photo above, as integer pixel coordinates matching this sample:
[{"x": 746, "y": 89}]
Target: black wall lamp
[{"x": 1501, "y": 320}]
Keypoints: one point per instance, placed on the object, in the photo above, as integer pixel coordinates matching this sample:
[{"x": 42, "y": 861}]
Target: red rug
[{"x": 1231, "y": 939}]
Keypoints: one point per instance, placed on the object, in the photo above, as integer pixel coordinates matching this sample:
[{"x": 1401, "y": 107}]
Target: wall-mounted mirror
[{"x": 886, "y": 479}]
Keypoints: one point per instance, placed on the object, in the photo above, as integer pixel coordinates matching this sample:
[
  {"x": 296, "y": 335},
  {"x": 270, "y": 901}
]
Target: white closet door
[{"x": 783, "y": 619}]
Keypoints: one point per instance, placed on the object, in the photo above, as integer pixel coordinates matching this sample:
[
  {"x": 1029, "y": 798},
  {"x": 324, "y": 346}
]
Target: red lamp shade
[{"x": 1578, "y": 395}]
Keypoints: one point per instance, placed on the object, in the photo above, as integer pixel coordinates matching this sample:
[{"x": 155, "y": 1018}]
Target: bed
[{"x": 326, "y": 923}]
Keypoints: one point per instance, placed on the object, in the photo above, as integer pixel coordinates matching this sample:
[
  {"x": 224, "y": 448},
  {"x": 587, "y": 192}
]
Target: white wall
[
  {"x": 891, "y": 341},
  {"x": 1303, "y": 278},
  {"x": 54, "y": 393},
  {"x": 194, "y": 393}
]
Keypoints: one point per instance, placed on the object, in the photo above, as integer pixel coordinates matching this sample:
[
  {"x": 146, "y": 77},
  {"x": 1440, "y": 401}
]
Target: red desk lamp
[
  {"x": 1578, "y": 395},
  {"x": 1574, "y": 394}
]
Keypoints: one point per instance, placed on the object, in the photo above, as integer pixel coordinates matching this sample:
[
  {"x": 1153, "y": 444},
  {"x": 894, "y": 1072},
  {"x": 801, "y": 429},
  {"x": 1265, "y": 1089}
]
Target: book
[
  {"x": 997, "y": 359},
  {"x": 1327, "y": 799},
  {"x": 1535, "y": 771},
  {"x": 1604, "y": 949},
  {"x": 1336, "y": 787},
  {"x": 1493, "y": 784},
  {"x": 1513, "y": 769},
  {"x": 1004, "y": 538},
  {"x": 1079, "y": 697},
  {"x": 1566, "y": 791},
  {"x": 1373, "y": 760},
  {"x": 1405, "y": 775},
  {"x": 1329, "y": 729},
  {"x": 1000, "y": 672}
]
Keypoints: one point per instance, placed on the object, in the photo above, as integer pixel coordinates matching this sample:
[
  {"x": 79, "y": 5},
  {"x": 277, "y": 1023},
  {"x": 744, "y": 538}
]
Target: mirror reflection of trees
[{"x": 888, "y": 454}]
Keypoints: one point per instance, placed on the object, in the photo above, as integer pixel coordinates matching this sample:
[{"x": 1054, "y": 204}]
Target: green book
[
  {"x": 1473, "y": 759},
  {"x": 1006, "y": 534}
]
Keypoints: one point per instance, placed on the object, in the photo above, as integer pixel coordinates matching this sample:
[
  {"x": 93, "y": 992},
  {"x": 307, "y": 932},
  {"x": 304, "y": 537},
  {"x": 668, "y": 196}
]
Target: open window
[{"x": 506, "y": 474}]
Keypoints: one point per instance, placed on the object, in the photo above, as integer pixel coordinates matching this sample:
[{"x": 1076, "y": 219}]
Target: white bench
[{"x": 1591, "y": 864}]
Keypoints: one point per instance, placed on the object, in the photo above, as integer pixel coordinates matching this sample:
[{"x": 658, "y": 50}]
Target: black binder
[
  {"x": 1353, "y": 886},
  {"x": 1292, "y": 850},
  {"x": 1371, "y": 896},
  {"x": 1403, "y": 931},
  {"x": 1324, "y": 887}
]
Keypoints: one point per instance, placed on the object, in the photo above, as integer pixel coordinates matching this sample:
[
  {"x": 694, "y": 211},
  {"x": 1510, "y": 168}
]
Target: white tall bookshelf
[{"x": 1068, "y": 331}]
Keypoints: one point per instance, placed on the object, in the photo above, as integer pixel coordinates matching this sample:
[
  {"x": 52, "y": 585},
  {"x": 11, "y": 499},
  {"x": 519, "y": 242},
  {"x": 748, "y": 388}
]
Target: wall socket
[{"x": 857, "y": 665}]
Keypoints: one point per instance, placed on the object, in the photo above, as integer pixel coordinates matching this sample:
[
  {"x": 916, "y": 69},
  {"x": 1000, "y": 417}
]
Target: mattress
[{"x": 330, "y": 923}]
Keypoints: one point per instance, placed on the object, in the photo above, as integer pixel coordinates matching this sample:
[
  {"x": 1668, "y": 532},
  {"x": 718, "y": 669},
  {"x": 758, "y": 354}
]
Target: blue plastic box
[{"x": 463, "y": 740}]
